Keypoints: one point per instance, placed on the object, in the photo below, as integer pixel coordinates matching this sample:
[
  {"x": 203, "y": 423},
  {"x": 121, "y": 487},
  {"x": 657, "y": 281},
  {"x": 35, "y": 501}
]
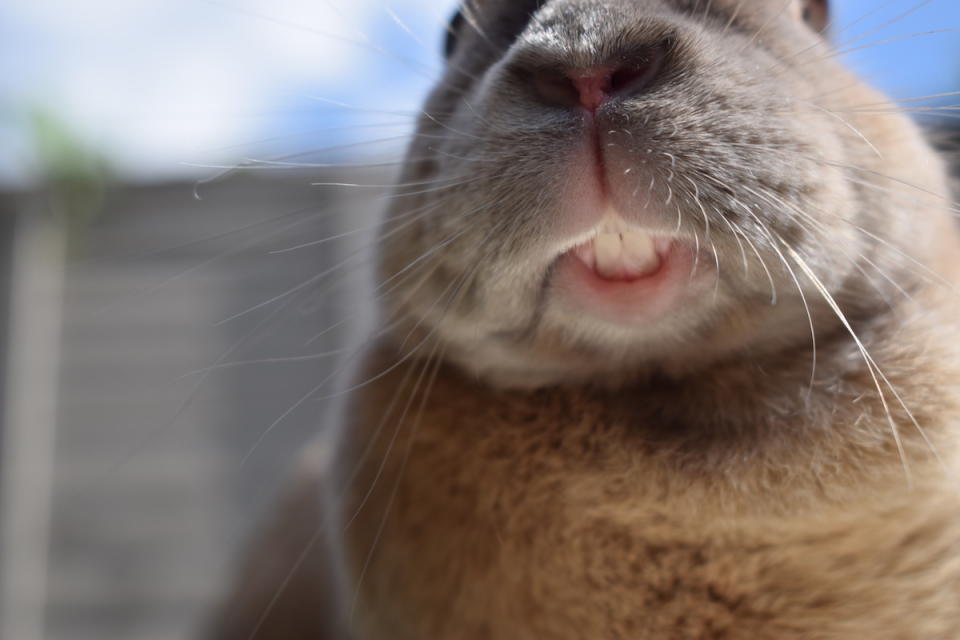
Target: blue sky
[{"x": 163, "y": 85}]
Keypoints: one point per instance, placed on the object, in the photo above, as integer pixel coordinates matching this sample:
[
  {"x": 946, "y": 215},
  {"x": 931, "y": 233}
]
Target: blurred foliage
[{"x": 73, "y": 177}]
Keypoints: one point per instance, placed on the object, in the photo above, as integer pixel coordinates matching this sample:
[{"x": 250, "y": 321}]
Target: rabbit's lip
[{"x": 624, "y": 274}]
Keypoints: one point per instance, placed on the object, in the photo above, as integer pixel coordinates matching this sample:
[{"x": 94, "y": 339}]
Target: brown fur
[{"x": 715, "y": 507}]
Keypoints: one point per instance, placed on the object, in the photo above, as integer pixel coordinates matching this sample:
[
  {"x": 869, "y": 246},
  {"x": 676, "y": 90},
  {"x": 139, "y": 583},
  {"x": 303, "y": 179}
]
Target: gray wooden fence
[{"x": 159, "y": 469}]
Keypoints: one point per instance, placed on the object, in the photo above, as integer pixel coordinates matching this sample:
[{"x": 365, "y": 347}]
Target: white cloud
[{"x": 155, "y": 82}]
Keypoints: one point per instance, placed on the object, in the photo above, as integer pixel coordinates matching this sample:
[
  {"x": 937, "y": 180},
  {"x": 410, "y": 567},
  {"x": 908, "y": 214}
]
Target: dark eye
[
  {"x": 498, "y": 26},
  {"x": 453, "y": 33},
  {"x": 816, "y": 13}
]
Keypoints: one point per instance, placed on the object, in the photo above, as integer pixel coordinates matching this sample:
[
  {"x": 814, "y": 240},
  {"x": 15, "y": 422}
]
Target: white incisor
[{"x": 618, "y": 252}]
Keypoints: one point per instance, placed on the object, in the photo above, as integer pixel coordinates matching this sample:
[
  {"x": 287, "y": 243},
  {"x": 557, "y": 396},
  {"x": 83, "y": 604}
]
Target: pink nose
[
  {"x": 590, "y": 88},
  {"x": 593, "y": 86}
]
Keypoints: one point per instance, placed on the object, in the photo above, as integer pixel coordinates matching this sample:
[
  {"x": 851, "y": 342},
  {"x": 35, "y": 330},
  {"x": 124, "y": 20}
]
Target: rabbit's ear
[{"x": 453, "y": 33}]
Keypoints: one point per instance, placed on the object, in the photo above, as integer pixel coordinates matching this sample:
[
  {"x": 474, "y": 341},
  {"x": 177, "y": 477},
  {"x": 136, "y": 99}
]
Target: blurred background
[{"x": 182, "y": 272}]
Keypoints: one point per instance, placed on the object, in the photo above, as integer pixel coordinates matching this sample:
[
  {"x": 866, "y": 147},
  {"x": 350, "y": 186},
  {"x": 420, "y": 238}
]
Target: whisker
[
  {"x": 845, "y": 123},
  {"x": 803, "y": 297},
  {"x": 435, "y": 361},
  {"x": 415, "y": 66},
  {"x": 200, "y": 266},
  {"x": 875, "y": 373},
  {"x": 313, "y": 391},
  {"x": 932, "y": 96},
  {"x": 410, "y": 438},
  {"x": 846, "y": 27},
  {"x": 912, "y": 36},
  {"x": 326, "y": 272},
  {"x": 888, "y": 23}
]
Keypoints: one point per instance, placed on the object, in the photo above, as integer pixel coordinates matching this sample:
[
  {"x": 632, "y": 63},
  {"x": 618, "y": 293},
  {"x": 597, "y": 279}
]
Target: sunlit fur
[
  {"x": 750, "y": 136},
  {"x": 774, "y": 460}
]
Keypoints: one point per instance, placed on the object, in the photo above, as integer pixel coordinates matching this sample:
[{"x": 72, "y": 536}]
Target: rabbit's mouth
[{"x": 624, "y": 274}]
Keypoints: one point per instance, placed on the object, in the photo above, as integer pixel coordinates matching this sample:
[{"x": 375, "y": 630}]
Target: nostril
[
  {"x": 628, "y": 79},
  {"x": 556, "y": 88},
  {"x": 633, "y": 76}
]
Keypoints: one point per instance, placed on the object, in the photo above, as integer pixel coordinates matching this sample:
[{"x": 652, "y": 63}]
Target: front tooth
[
  {"x": 609, "y": 251},
  {"x": 639, "y": 254}
]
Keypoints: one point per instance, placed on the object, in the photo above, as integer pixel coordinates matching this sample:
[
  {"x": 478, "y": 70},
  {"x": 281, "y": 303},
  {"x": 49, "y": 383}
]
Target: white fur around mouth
[{"x": 618, "y": 253}]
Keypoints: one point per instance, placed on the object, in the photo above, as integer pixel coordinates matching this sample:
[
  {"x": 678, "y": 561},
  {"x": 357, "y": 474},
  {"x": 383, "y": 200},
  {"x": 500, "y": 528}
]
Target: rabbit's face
[{"x": 598, "y": 188}]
